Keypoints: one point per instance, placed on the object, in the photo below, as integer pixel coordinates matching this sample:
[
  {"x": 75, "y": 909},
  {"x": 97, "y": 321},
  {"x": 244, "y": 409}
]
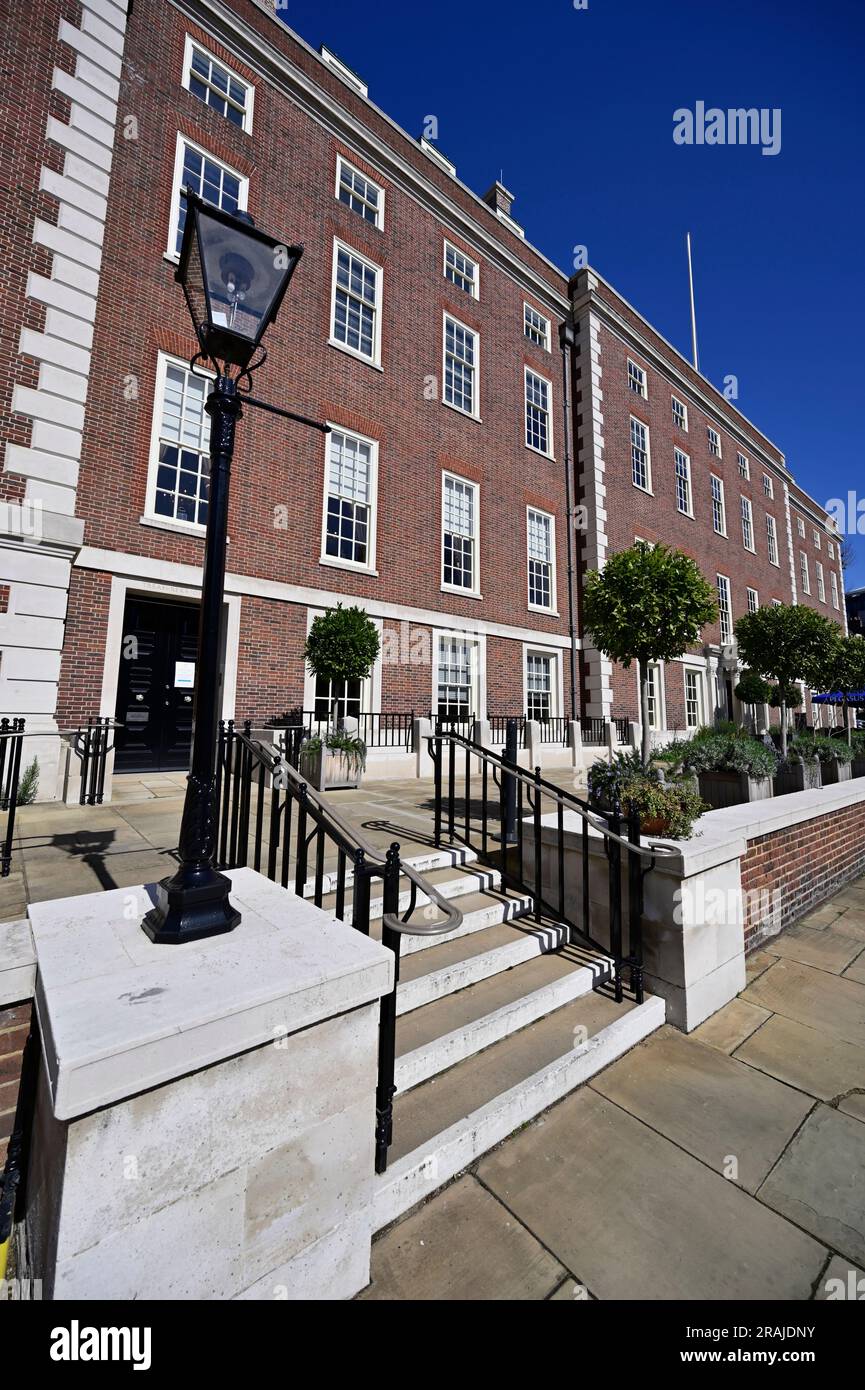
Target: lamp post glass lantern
[{"x": 234, "y": 277}]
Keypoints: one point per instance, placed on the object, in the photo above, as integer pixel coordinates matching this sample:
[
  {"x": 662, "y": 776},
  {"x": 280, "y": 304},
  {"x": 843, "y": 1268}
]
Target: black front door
[{"x": 156, "y": 686}]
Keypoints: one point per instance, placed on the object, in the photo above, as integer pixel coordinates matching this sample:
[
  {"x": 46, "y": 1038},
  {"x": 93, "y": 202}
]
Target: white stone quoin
[{"x": 206, "y": 1113}]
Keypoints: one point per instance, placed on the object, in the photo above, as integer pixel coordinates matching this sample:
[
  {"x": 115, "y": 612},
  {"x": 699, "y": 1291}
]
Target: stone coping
[
  {"x": 120, "y": 1015},
  {"x": 722, "y": 835},
  {"x": 17, "y": 962}
]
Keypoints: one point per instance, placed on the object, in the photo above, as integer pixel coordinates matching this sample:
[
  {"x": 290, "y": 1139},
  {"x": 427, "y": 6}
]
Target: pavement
[
  {"x": 729, "y": 1163},
  {"x": 724, "y": 1164}
]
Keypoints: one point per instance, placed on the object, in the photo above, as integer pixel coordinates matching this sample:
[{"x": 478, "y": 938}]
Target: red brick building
[{"x": 421, "y": 325}]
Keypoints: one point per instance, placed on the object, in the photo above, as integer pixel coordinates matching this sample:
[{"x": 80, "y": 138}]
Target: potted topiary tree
[
  {"x": 752, "y": 691},
  {"x": 801, "y": 772},
  {"x": 648, "y": 603},
  {"x": 843, "y": 674},
  {"x": 785, "y": 643},
  {"x": 836, "y": 759},
  {"x": 342, "y": 645}
]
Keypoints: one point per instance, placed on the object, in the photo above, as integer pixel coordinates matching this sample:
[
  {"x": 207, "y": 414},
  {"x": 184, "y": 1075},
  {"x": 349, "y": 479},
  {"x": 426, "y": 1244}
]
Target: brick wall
[
  {"x": 802, "y": 865},
  {"x": 14, "y": 1027}
]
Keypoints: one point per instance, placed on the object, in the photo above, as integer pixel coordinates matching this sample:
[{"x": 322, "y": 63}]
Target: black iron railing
[
  {"x": 454, "y": 723},
  {"x": 93, "y": 742},
  {"x": 623, "y": 729},
  {"x": 554, "y": 729},
  {"x": 593, "y": 729},
  {"x": 498, "y": 728},
  {"x": 489, "y": 810},
  {"x": 270, "y": 820},
  {"x": 377, "y": 729},
  {"x": 11, "y": 742}
]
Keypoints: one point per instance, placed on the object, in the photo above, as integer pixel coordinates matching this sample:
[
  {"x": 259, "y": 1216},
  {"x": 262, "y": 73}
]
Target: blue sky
[{"x": 576, "y": 107}]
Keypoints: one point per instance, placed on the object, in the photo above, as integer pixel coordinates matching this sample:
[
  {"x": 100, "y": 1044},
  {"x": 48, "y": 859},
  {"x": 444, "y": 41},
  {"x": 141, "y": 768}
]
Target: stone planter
[
  {"x": 329, "y": 769},
  {"x": 833, "y": 771},
  {"x": 798, "y": 777},
  {"x": 721, "y": 789}
]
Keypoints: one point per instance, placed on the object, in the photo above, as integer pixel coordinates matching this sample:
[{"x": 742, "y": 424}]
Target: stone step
[
  {"x": 479, "y": 911},
  {"x": 449, "y": 882},
  {"x": 434, "y": 1038},
  {"x": 443, "y": 1124},
  {"x": 425, "y": 863},
  {"x": 463, "y": 960}
]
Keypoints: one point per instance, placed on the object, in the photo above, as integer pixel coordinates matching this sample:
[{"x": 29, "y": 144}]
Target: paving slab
[
  {"x": 825, "y": 950},
  {"x": 637, "y": 1218},
  {"x": 841, "y": 1282},
  {"x": 822, "y": 916},
  {"x": 757, "y": 963},
  {"x": 464, "y": 1245},
  {"x": 706, "y": 1102},
  {"x": 808, "y": 1058},
  {"x": 851, "y": 923},
  {"x": 813, "y": 997},
  {"x": 572, "y": 1292},
  {"x": 854, "y": 1104},
  {"x": 820, "y": 1181},
  {"x": 856, "y": 971},
  {"x": 731, "y": 1025}
]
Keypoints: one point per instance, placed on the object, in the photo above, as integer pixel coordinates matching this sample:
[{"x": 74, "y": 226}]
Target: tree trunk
[
  {"x": 784, "y": 729},
  {"x": 847, "y": 729},
  {"x": 644, "y": 714}
]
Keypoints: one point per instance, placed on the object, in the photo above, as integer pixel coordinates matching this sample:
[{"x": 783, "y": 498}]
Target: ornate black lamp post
[{"x": 234, "y": 277}]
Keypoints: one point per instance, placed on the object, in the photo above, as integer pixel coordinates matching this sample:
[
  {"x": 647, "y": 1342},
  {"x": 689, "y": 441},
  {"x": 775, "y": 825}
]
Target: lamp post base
[{"x": 192, "y": 904}]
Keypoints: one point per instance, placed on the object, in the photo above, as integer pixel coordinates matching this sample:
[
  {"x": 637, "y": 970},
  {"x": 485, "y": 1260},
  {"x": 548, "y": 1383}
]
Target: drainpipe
[{"x": 567, "y": 338}]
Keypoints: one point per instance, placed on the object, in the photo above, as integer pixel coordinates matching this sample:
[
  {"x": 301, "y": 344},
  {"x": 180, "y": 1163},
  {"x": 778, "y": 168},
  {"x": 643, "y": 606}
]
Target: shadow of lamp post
[{"x": 234, "y": 277}]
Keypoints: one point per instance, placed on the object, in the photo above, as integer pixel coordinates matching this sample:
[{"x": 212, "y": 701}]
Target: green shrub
[
  {"x": 29, "y": 784},
  {"x": 607, "y": 781},
  {"x": 811, "y": 747},
  {"x": 337, "y": 740},
  {"x": 676, "y": 806},
  {"x": 803, "y": 749},
  {"x": 752, "y": 689},
  {"x": 737, "y": 752}
]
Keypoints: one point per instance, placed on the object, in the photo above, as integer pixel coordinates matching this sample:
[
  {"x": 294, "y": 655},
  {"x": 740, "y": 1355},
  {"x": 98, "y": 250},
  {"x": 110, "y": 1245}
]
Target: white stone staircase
[{"x": 497, "y": 1020}]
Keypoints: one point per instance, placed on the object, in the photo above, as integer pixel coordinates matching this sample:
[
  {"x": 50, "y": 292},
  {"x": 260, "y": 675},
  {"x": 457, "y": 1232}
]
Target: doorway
[{"x": 156, "y": 686}]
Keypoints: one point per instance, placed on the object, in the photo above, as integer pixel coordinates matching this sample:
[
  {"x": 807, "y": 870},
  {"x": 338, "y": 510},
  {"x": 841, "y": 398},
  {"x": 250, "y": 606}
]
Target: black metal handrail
[
  {"x": 265, "y": 806},
  {"x": 623, "y": 728},
  {"x": 11, "y": 742},
  {"x": 554, "y": 729},
  {"x": 515, "y": 791}
]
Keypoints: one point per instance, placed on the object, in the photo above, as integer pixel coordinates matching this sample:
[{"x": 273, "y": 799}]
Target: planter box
[
  {"x": 858, "y": 766},
  {"x": 721, "y": 789},
  {"x": 329, "y": 769},
  {"x": 798, "y": 777},
  {"x": 836, "y": 772}
]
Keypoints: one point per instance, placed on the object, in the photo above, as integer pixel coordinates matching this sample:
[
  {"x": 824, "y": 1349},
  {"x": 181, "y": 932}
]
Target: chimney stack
[{"x": 499, "y": 199}]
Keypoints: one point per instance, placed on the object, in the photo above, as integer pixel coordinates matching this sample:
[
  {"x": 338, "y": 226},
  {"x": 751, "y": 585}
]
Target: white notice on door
[{"x": 184, "y": 675}]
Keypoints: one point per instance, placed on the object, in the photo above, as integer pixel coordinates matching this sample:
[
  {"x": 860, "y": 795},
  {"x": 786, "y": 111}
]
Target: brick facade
[
  {"x": 14, "y": 1028},
  {"x": 275, "y": 570}
]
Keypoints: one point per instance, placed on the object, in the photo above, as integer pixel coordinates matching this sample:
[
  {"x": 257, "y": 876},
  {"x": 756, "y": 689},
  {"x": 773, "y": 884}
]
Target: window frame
[
  {"x": 833, "y": 580},
  {"x": 552, "y": 608},
  {"x": 772, "y": 540},
  {"x": 475, "y": 412},
  {"x": 769, "y": 487},
  {"x": 641, "y": 376},
  {"x": 151, "y": 517},
  {"x": 804, "y": 573},
  {"x": 700, "y": 676},
  {"x": 647, "y": 487},
  {"x": 744, "y": 472},
  {"x": 724, "y": 641},
  {"x": 475, "y": 665},
  {"x": 171, "y": 254},
  {"x": 343, "y": 161},
  {"x": 655, "y": 671},
  {"x": 710, "y": 432},
  {"x": 718, "y": 502},
  {"x": 335, "y": 561},
  {"x": 550, "y": 654},
  {"x": 821, "y": 582},
  {"x": 450, "y": 588},
  {"x": 688, "y": 480},
  {"x": 244, "y": 82},
  {"x": 746, "y": 514},
  {"x": 547, "y": 453},
  {"x": 333, "y": 341},
  {"x": 674, "y": 401},
  {"x": 546, "y": 344},
  {"x": 475, "y": 291}
]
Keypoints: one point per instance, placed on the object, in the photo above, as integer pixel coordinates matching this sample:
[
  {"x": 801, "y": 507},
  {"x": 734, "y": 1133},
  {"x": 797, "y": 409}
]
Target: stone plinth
[{"x": 206, "y": 1112}]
